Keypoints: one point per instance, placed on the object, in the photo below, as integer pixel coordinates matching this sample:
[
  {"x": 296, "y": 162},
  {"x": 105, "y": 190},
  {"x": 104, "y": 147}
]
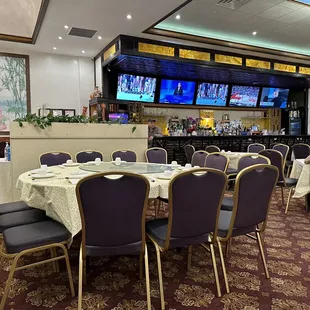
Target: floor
[{"x": 113, "y": 283}]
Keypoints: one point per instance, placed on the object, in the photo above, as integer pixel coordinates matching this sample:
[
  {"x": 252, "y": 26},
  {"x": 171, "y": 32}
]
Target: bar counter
[{"x": 175, "y": 145}]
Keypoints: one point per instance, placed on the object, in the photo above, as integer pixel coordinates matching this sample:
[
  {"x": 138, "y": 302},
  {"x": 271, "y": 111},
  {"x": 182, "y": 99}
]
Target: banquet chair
[
  {"x": 276, "y": 159},
  {"x": 212, "y": 149},
  {"x": 199, "y": 158},
  {"x": 284, "y": 150},
  {"x": 217, "y": 161},
  {"x": 253, "y": 193},
  {"x": 54, "y": 158},
  {"x": 126, "y": 155},
  {"x": 255, "y": 147},
  {"x": 86, "y": 156},
  {"x": 115, "y": 225},
  {"x": 190, "y": 223},
  {"x": 156, "y": 155},
  {"x": 301, "y": 150},
  {"x": 27, "y": 239},
  {"x": 15, "y": 206},
  {"x": 189, "y": 152},
  {"x": 245, "y": 161}
]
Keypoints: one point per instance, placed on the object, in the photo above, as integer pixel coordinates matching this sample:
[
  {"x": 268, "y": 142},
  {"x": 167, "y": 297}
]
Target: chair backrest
[
  {"x": 54, "y": 158},
  {"x": 283, "y": 149},
  {"x": 253, "y": 193},
  {"x": 301, "y": 150},
  {"x": 217, "y": 161},
  {"x": 86, "y": 156},
  {"x": 113, "y": 219},
  {"x": 199, "y": 158},
  {"x": 212, "y": 149},
  {"x": 276, "y": 159},
  {"x": 255, "y": 147},
  {"x": 156, "y": 155},
  {"x": 250, "y": 160},
  {"x": 194, "y": 203},
  {"x": 189, "y": 152},
  {"x": 126, "y": 155}
]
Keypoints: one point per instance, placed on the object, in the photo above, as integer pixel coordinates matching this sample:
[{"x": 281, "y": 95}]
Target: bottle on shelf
[{"x": 6, "y": 151}]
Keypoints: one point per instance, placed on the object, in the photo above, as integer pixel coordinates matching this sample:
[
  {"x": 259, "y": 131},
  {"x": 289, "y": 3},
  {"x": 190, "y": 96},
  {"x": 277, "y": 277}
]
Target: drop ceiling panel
[{"x": 275, "y": 12}]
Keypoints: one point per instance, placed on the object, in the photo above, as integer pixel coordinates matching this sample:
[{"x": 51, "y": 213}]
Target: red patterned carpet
[{"x": 113, "y": 283}]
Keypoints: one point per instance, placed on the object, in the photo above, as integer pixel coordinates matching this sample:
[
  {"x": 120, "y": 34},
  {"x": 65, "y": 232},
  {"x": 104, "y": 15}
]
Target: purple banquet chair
[
  {"x": 86, "y": 156},
  {"x": 189, "y": 152},
  {"x": 253, "y": 191},
  {"x": 113, "y": 224},
  {"x": 284, "y": 150},
  {"x": 126, "y": 155},
  {"x": 217, "y": 161},
  {"x": 199, "y": 158},
  {"x": 156, "y": 155},
  {"x": 54, "y": 158},
  {"x": 301, "y": 150},
  {"x": 255, "y": 147},
  {"x": 212, "y": 149},
  {"x": 190, "y": 223}
]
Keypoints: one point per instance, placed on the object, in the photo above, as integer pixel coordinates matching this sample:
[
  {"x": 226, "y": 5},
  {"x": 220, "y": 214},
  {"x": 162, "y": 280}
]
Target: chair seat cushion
[
  {"x": 227, "y": 204},
  {"x": 231, "y": 171},
  {"x": 157, "y": 229},
  {"x": 20, "y": 238},
  {"x": 289, "y": 182},
  {"x": 13, "y": 207},
  {"x": 21, "y": 218}
]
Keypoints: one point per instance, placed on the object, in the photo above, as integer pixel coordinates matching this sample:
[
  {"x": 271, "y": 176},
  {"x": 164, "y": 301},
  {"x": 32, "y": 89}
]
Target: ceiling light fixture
[
  {"x": 66, "y": 27},
  {"x": 129, "y": 16},
  {"x": 83, "y": 52},
  {"x": 60, "y": 38},
  {"x": 99, "y": 37},
  {"x": 254, "y": 33},
  {"x": 178, "y": 16},
  {"x": 54, "y": 48}
]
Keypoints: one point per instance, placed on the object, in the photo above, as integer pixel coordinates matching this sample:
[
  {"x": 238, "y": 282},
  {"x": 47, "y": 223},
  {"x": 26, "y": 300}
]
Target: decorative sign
[
  {"x": 304, "y": 70},
  {"x": 189, "y": 54},
  {"x": 261, "y": 64},
  {"x": 231, "y": 60},
  {"x": 156, "y": 49},
  {"x": 109, "y": 52},
  {"x": 284, "y": 67}
]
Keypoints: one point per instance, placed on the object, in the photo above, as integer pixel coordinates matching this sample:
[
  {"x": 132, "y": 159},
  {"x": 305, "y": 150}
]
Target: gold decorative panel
[
  {"x": 189, "y": 54},
  {"x": 304, "y": 70},
  {"x": 231, "y": 60},
  {"x": 284, "y": 67},
  {"x": 109, "y": 52},
  {"x": 254, "y": 63},
  {"x": 156, "y": 49}
]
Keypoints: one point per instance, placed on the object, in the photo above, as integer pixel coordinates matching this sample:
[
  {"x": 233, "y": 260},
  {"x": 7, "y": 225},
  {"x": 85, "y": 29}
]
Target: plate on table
[
  {"x": 36, "y": 171},
  {"x": 163, "y": 177},
  {"x": 80, "y": 173},
  {"x": 122, "y": 161},
  {"x": 43, "y": 176},
  {"x": 71, "y": 165}
]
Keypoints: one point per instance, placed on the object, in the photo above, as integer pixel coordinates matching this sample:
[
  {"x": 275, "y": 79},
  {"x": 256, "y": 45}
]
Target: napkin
[{"x": 74, "y": 181}]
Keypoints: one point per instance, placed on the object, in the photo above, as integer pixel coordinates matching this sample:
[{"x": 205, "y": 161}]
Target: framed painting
[{"x": 14, "y": 89}]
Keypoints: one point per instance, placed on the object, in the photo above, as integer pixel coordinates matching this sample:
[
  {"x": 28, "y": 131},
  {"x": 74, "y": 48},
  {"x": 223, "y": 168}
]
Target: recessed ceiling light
[
  {"x": 129, "y": 16},
  {"x": 99, "y": 37},
  {"x": 83, "y": 52},
  {"x": 254, "y": 33},
  {"x": 178, "y": 16},
  {"x": 54, "y": 48},
  {"x": 66, "y": 27},
  {"x": 60, "y": 38}
]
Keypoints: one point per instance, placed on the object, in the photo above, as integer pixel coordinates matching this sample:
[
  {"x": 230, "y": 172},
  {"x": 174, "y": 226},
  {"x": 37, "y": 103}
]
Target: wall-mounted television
[
  {"x": 119, "y": 118},
  {"x": 135, "y": 88},
  {"x": 177, "y": 92},
  {"x": 212, "y": 94},
  {"x": 244, "y": 96},
  {"x": 274, "y": 97}
]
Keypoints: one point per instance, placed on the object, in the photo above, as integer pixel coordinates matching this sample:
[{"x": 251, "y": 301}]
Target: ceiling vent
[
  {"x": 232, "y": 4},
  {"x": 80, "y": 32}
]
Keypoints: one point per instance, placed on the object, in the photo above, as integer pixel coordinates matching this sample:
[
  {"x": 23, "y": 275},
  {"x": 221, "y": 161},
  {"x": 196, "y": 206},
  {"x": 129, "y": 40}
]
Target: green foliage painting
[{"x": 13, "y": 90}]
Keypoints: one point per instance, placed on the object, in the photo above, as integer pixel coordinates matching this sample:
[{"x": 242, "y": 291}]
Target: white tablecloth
[
  {"x": 5, "y": 181},
  {"x": 57, "y": 196},
  {"x": 301, "y": 171}
]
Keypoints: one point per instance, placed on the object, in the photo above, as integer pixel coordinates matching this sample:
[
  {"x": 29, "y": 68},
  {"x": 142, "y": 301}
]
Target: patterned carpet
[{"x": 113, "y": 282}]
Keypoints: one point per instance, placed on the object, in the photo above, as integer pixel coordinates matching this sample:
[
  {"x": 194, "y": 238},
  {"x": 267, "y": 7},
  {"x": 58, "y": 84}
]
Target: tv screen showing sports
[
  {"x": 118, "y": 118},
  {"x": 177, "y": 92},
  {"x": 244, "y": 96},
  {"x": 136, "y": 88},
  {"x": 212, "y": 94},
  {"x": 274, "y": 98}
]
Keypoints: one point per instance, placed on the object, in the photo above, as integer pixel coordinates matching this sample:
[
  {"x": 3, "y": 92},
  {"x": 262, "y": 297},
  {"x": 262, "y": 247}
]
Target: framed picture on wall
[
  {"x": 57, "y": 112},
  {"x": 14, "y": 89},
  {"x": 69, "y": 112}
]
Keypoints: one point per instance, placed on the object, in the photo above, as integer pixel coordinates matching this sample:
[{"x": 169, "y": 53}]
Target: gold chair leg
[
  {"x": 147, "y": 279},
  {"x": 68, "y": 270},
  {"x": 54, "y": 262},
  {"x": 288, "y": 200},
  {"x": 227, "y": 248},
  {"x": 189, "y": 256},
  {"x": 141, "y": 266},
  {"x": 160, "y": 278},
  {"x": 1, "y": 250},
  {"x": 223, "y": 266},
  {"x": 8, "y": 282},
  {"x": 282, "y": 194},
  {"x": 80, "y": 293},
  {"x": 216, "y": 276},
  {"x": 288, "y": 171},
  {"x": 261, "y": 250}
]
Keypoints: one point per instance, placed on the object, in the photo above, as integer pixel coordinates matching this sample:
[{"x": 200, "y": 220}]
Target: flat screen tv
[
  {"x": 274, "y": 97},
  {"x": 177, "y": 92},
  {"x": 212, "y": 94},
  {"x": 244, "y": 96},
  {"x": 118, "y": 118},
  {"x": 135, "y": 88}
]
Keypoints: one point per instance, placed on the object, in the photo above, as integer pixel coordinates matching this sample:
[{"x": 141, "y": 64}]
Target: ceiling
[{"x": 275, "y": 24}]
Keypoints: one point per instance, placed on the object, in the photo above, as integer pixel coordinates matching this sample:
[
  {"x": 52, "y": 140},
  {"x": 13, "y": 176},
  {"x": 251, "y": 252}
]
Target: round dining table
[{"x": 56, "y": 195}]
